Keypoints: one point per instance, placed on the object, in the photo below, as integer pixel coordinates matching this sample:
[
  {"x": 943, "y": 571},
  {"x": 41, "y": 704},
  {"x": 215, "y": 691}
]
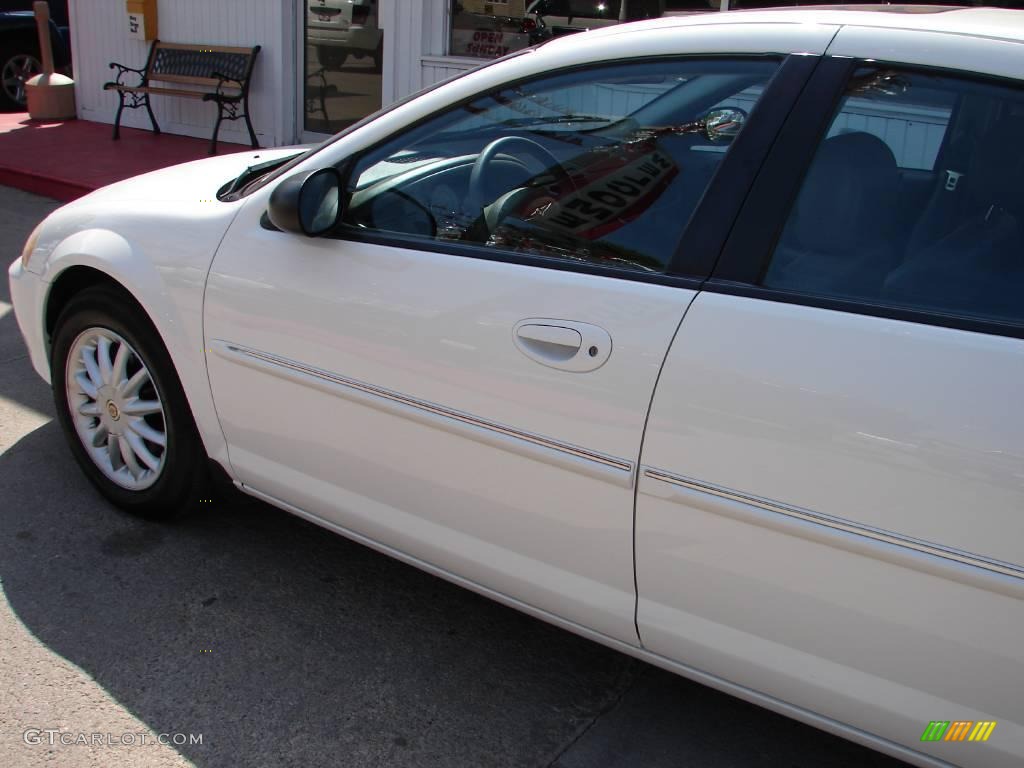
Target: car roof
[{"x": 994, "y": 23}]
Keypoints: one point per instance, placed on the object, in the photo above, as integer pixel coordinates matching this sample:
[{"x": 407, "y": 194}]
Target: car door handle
[
  {"x": 553, "y": 342},
  {"x": 563, "y": 344}
]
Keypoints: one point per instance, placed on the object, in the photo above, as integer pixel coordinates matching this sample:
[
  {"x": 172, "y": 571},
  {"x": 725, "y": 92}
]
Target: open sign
[{"x": 487, "y": 43}]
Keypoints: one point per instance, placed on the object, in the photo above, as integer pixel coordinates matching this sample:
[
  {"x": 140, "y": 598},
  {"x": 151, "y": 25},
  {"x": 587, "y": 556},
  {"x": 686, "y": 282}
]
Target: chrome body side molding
[
  {"x": 939, "y": 560},
  {"x": 574, "y": 458}
]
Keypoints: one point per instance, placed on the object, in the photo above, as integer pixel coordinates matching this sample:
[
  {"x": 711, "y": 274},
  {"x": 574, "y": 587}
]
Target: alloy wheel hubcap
[
  {"x": 17, "y": 71},
  {"x": 116, "y": 408}
]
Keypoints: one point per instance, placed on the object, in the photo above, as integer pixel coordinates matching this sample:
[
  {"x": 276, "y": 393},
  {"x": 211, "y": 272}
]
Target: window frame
[
  {"x": 683, "y": 269},
  {"x": 751, "y": 244}
]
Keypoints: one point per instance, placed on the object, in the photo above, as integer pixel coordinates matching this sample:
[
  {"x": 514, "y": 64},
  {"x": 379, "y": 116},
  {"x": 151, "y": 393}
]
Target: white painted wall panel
[
  {"x": 416, "y": 40},
  {"x": 413, "y": 29},
  {"x": 99, "y": 36},
  {"x": 434, "y": 69}
]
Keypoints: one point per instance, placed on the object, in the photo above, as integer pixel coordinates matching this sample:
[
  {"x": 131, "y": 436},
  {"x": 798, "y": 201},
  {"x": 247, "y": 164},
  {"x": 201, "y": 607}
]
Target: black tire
[
  {"x": 11, "y": 52},
  {"x": 331, "y": 58},
  {"x": 183, "y": 481}
]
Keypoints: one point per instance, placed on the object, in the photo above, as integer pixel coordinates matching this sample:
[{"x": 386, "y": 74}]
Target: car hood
[
  {"x": 160, "y": 217},
  {"x": 188, "y": 183}
]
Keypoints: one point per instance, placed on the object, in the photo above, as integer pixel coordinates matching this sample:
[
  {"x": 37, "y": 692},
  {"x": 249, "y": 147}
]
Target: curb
[{"x": 47, "y": 186}]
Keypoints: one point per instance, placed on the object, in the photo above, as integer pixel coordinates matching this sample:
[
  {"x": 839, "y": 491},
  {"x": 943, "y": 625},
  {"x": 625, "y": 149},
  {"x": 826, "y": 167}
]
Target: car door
[
  {"x": 831, "y": 503},
  {"x": 464, "y": 386}
]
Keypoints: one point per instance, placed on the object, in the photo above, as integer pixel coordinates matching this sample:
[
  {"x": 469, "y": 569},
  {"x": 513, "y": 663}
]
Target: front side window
[
  {"x": 914, "y": 200},
  {"x": 602, "y": 166}
]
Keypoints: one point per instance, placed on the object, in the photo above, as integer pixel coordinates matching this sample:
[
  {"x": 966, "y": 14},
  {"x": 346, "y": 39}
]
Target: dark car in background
[{"x": 20, "y": 58}]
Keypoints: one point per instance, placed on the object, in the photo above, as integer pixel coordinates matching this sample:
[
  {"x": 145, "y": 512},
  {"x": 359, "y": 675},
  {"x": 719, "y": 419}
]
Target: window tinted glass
[
  {"x": 603, "y": 166},
  {"x": 912, "y": 126},
  {"x": 915, "y": 199}
]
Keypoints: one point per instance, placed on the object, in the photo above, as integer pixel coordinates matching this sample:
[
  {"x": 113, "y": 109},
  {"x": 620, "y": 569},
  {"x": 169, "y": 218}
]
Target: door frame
[{"x": 385, "y": 14}]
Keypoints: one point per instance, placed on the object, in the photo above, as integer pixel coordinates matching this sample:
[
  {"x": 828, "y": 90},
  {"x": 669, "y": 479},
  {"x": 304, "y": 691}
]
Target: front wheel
[{"x": 122, "y": 407}]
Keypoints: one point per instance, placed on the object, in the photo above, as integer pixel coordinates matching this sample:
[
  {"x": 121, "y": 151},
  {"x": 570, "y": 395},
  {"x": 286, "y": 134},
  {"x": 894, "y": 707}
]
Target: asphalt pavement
[{"x": 277, "y": 643}]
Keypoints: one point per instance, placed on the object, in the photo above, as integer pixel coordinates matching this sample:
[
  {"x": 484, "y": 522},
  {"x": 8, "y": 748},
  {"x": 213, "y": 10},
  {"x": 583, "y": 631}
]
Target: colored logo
[{"x": 958, "y": 730}]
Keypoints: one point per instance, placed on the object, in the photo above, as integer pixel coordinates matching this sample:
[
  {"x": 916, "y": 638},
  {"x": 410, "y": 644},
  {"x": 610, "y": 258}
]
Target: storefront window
[
  {"x": 344, "y": 47},
  {"x": 488, "y": 29}
]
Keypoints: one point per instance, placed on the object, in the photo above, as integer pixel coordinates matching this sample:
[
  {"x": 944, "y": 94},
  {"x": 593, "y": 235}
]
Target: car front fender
[{"x": 168, "y": 286}]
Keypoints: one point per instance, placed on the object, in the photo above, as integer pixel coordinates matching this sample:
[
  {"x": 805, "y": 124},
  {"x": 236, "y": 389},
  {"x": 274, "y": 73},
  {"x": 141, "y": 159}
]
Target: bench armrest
[
  {"x": 227, "y": 81},
  {"x": 122, "y": 71}
]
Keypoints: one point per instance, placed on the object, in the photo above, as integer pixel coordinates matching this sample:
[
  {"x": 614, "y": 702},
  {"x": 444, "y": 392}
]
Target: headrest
[{"x": 848, "y": 195}]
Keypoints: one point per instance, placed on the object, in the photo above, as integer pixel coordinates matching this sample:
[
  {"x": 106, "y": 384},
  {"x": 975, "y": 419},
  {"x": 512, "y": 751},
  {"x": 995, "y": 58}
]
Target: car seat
[{"x": 836, "y": 241}]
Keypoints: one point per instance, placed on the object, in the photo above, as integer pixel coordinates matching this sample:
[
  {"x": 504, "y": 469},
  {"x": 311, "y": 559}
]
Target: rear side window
[{"x": 915, "y": 199}]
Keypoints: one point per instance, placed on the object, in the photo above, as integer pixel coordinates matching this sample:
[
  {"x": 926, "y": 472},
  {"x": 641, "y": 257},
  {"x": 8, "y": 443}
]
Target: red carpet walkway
[{"x": 68, "y": 159}]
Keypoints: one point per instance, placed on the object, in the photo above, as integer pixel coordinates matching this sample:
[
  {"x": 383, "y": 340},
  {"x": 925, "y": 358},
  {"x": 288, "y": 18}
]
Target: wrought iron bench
[
  {"x": 317, "y": 91},
  {"x": 226, "y": 70}
]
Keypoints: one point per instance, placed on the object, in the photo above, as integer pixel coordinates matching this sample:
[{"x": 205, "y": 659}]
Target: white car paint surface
[
  {"x": 816, "y": 508},
  {"x": 170, "y": 273}
]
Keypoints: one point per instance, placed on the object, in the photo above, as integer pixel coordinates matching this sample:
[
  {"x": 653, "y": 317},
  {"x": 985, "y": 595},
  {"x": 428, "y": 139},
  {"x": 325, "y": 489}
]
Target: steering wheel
[{"x": 475, "y": 199}]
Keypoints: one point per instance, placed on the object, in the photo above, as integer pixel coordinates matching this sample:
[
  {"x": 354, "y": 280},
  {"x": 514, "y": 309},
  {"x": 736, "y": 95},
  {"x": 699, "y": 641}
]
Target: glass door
[{"x": 342, "y": 50}]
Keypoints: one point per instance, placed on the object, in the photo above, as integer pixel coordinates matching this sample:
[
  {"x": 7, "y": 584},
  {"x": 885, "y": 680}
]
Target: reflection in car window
[
  {"x": 913, "y": 126},
  {"x": 890, "y": 215},
  {"x": 603, "y": 166}
]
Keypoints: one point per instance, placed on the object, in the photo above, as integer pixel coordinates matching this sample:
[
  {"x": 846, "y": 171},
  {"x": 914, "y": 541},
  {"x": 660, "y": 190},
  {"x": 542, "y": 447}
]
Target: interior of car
[
  {"x": 876, "y": 221},
  {"x": 561, "y": 170}
]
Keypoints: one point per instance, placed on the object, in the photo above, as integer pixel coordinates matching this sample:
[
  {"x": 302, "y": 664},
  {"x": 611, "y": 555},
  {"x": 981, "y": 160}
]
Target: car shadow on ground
[
  {"x": 20, "y": 386},
  {"x": 284, "y": 644},
  {"x": 280, "y": 642}
]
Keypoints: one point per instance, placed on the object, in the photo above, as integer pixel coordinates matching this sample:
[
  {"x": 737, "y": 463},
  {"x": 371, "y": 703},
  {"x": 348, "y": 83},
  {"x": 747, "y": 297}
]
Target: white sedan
[{"x": 700, "y": 337}]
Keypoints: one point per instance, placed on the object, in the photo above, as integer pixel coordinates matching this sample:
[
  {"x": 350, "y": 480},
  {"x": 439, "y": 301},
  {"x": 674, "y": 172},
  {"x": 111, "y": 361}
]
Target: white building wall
[
  {"x": 434, "y": 69},
  {"x": 403, "y": 22},
  {"x": 100, "y": 35},
  {"x": 416, "y": 41}
]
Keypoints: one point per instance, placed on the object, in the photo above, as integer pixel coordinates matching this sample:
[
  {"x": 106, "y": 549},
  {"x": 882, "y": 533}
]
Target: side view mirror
[
  {"x": 723, "y": 124},
  {"x": 308, "y": 203}
]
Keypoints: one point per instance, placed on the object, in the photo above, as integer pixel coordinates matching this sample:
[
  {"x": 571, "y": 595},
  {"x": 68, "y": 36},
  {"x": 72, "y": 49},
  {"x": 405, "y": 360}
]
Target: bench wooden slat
[
  {"x": 185, "y": 79},
  {"x": 212, "y": 48},
  {"x": 164, "y": 91}
]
